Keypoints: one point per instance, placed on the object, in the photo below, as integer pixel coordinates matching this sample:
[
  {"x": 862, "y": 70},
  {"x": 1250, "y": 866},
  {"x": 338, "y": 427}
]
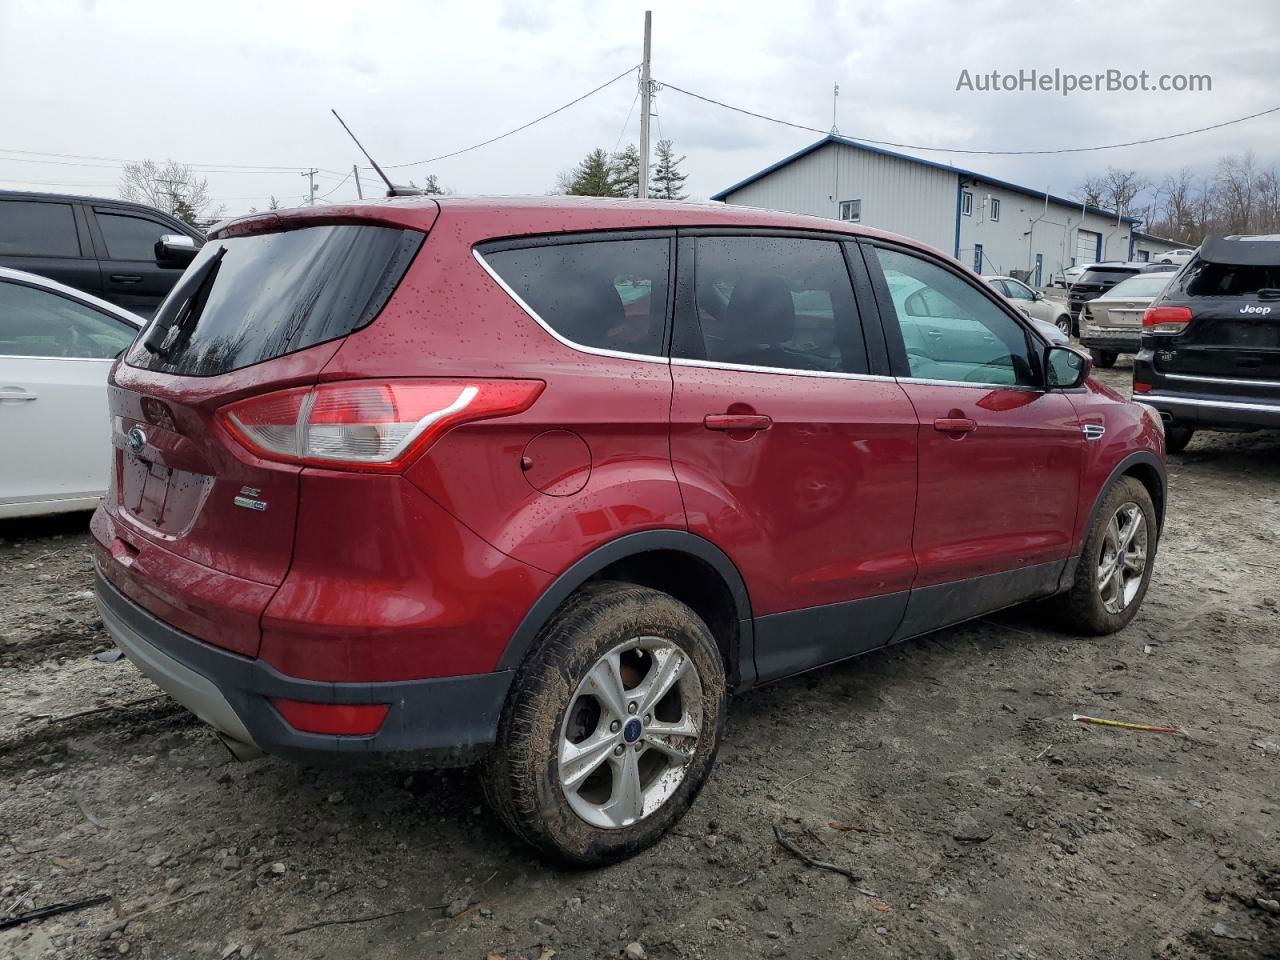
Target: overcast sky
[{"x": 251, "y": 83}]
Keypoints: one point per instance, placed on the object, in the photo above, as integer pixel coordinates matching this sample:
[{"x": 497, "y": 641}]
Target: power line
[
  {"x": 205, "y": 166},
  {"x": 1005, "y": 153},
  {"x": 335, "y": 189},
  {"x": 623, "y": 131},
  {"x": 523, "y": 126}
]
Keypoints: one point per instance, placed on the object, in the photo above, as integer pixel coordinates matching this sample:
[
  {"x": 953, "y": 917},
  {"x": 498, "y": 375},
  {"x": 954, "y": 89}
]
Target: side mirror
[
  {"x": 176, "y": 249},
  {"x": 1037, "y": 295},
  {"x": 1065, "y": 367}
]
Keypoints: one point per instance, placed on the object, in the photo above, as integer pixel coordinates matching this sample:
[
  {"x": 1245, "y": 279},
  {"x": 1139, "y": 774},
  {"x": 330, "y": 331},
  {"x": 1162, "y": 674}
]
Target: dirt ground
[{"x": 946, "y": 772}]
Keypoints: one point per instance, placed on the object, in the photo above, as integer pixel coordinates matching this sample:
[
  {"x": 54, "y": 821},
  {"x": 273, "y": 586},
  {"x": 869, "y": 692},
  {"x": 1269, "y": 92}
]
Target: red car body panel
[
  {"x": 1002, "y": 496},
  {"x": 816, "y": 509}
]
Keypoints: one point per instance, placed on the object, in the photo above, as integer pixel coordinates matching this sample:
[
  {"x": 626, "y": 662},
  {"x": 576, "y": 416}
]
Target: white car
[
  {"x": 1033, "y": 303},
  {"x": 56, "y": 346},
  {"x": 1176, "y": 257},
  {"x": 1065, "y": 278}
]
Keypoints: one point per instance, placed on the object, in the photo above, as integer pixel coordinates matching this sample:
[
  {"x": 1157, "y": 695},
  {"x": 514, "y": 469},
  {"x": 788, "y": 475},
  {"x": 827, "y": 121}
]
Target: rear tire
[
  {"x": 593, "y": 763},
  {"x": 1115, "y": 565},
  {"x": 1177, "y": 437},
  {"x": 1104, "y": 359}
]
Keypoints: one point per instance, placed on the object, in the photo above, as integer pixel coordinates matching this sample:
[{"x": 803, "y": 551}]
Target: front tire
[
  {"x": 1063, "y": 323},
  {"x": 612, "y": 725},
  {"x": 1115, "y": 565}
]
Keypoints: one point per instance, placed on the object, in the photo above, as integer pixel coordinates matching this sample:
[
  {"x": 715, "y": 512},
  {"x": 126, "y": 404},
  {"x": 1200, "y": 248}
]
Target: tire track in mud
[{"x": 36, "y": 740}]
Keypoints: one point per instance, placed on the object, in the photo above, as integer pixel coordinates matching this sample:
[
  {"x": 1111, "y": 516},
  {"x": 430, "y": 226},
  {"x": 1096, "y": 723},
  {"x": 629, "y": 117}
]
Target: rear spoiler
[{"x": 1259, "y": 251}]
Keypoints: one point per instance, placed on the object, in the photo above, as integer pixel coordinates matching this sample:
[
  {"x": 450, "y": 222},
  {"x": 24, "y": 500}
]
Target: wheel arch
[
  {"x": 690, "y": 568},
  {"x": 1146, "y": 468}
]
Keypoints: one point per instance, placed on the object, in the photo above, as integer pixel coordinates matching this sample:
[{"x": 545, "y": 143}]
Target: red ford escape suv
[{"x": 539, "y": 482}]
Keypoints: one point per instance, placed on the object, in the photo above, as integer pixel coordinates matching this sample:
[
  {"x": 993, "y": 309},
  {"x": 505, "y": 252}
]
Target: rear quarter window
[
  {"x": 271, "y": 294},
  {"x": 601, "y": 294}
]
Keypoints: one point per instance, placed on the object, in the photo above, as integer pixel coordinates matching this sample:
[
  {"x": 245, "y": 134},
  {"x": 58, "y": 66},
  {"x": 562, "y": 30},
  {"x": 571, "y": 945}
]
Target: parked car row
[{"x": 718, "y": 447}]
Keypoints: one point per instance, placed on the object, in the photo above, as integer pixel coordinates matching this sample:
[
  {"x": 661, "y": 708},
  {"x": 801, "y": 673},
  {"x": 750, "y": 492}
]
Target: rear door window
[
  {"x": 34, "y": 228},
  {"x": 266, "y": 295},
  {"x": 779, "y": 302},
  {"x": 131, "y": 238},
  {"x": 603, "y": 294}
]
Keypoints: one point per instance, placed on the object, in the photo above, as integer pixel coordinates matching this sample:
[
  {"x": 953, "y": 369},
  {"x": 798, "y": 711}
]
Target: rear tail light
[
  {"x": 368, "y": 424},
  {"x": 1141, "y": 387},
  {"x": 1166, "y": 319},
  {"x": 343, "y": 719}
]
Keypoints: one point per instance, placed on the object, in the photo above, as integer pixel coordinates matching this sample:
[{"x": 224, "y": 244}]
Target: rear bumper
[
  {"x": 1116, "y": 343},
  {"x": 1214, "y": 412},
  {"x": 446, "y": 721}
]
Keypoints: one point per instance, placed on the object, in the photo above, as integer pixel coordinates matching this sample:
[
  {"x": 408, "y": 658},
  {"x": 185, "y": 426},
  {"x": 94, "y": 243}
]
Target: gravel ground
[{"x": 946, "y": 772}]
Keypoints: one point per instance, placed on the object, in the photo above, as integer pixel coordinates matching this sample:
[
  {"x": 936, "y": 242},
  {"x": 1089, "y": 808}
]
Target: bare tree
[
  {"x": 170, "y": 186},
  {"x": 1236, "y": 193}
]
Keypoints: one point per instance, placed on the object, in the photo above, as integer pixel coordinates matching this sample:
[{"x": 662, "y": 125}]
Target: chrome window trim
[
  {"x": 1228, "y": 380},
  {"x": 1172, "y": 401},
  {"x": 787, "y": 371},
  {"x": 582, "y": 348},
  {"x": 1030, "y": 388},
  {"x": 24, "y": 356}
]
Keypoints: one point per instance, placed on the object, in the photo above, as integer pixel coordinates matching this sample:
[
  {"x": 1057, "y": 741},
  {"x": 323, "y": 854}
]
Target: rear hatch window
[
  {"x": 1104, "y": 277},
  {"x": 247, "y": 299}
]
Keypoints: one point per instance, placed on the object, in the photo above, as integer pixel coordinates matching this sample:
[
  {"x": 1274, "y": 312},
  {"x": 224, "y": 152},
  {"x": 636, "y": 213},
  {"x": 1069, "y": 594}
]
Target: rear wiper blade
[
  {"x": 1269, "y": 293},
  {"x": 157, "y": 338}
]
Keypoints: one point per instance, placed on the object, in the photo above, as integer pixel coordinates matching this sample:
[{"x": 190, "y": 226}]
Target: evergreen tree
[
  {"x": 594, "y": 176},
  {"x": 667, "y": 178},
  {"x": 626, "y": 166}
]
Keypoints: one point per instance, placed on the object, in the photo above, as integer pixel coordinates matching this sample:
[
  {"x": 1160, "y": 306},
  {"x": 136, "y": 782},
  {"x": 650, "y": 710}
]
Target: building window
[
  {"x": 851, "y": 210},
  {"x": 995, "y": 210},
  {"x": 977, "y": 257},
  {"x": 966, "y": 203}
]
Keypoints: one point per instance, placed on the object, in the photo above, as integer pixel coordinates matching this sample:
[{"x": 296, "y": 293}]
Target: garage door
[{"x": 1087, "y": 245}]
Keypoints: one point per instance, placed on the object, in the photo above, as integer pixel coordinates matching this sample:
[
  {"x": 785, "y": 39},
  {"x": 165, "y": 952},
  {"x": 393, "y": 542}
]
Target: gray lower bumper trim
[{"x": 194, "y": 691}]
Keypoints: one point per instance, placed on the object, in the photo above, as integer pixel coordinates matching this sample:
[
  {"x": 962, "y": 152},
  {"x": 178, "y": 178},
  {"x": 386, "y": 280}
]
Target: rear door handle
[
  {"x": 955, "y": 425},
  {"x": 737, "y": 421},
  {"x": 126, "y": 278},
  {"x": 18, "y": 395}
]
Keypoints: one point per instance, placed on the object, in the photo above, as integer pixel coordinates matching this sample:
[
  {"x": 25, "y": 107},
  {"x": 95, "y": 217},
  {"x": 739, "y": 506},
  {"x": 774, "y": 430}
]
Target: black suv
[
  {"x": 1210, "y": 354},
  {"x": 110, "y": 248},
  {"x": 1101, "y": 277}
]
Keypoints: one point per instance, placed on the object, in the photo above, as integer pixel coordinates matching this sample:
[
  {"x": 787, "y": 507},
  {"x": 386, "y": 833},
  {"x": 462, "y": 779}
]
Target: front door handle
[
  {"x": 955, "y": 425},
  {"x": 737, "y": 421},
  {"x": 126, "y": 278},
  {"x": 17, "y": 395}
]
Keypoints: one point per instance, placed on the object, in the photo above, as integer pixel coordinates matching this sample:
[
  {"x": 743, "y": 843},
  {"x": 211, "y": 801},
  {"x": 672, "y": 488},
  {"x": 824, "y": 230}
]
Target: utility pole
[
  {"x": 356, "y": 170},
  {"x": 311, "y": 182},
  {"x": 646, "y": 90}
]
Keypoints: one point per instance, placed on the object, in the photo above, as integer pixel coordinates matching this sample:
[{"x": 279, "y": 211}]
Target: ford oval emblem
[{"x": 137, "y": 440}]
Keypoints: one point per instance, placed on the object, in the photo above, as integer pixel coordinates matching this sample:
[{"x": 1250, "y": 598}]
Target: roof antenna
[{"x": 392, "y": 189}]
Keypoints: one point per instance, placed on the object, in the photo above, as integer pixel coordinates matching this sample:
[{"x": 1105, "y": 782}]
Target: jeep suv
[
  {"x": 538, "y": 483},
  {"x": 1210, "y": 352}
]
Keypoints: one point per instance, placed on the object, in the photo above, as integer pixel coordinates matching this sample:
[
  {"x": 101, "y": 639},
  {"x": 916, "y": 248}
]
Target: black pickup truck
[
  {"x": 114, "y": 249},
  {"x": 1210, "y": 349}
]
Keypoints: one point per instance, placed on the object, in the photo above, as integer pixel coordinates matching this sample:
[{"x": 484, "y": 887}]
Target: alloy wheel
[
  {"x": 1123, "y": 559},
  {"x": 630, "y": 731}
]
